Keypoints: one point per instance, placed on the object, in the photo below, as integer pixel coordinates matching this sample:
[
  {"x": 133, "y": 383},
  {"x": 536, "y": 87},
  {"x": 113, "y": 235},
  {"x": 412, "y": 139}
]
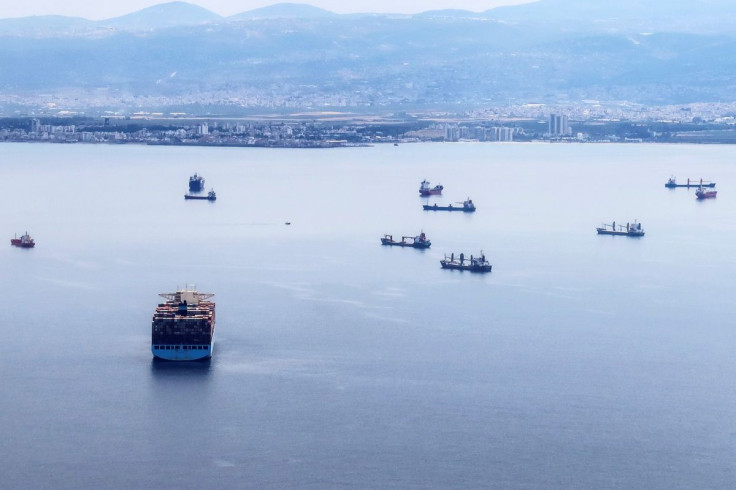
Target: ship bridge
[{"x": 191, "y": 296}]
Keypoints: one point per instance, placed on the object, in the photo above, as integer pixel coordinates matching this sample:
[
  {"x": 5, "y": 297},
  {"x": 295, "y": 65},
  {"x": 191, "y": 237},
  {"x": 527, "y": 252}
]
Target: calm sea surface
[{"x": 581, "y": 361}]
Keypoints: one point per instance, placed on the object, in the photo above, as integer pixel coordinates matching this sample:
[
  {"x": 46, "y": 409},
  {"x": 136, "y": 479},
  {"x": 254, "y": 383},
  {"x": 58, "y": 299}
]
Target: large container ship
[{"x": 183, "y": 328}]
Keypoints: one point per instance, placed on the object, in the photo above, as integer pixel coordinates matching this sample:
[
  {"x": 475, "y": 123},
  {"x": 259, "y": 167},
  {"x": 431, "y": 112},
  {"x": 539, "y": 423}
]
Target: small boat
[
  {"x": 631, "y": 229},
  {"x": 467, "y": 207},
  {"x": 426, "y": 190},
  {"x": 474, "y": 264},
  {"x": 25, "y": 241},
  {"x": 702, "y": 193},
  {"x": 211, "y": 196},
  {"x": 672, "y": 183},
  {"x": 419, "y": 241},
  {"x": 196, "y": 183}
]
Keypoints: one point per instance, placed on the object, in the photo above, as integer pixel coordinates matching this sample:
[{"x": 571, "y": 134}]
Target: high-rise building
[
  {"x": 558, "y": 125},
  {"x": 452, "y": 133}
]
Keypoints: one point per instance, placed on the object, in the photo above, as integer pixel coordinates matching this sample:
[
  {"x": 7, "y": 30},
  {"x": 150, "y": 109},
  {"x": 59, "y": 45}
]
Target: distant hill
[
  {"x": 172, "y": 14},
  {"x": 449, "y": 13},
  {"x": 284, "y": 10},
  {"x": 561, "y": 16}
]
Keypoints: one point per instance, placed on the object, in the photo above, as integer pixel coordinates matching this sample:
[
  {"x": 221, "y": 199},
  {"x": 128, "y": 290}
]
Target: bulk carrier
[{"x": 183, "y": 328}]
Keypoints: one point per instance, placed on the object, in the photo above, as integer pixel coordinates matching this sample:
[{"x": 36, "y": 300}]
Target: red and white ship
[
  {"x": 25, "y": 241},
  {"x": 426, "y": 190}
]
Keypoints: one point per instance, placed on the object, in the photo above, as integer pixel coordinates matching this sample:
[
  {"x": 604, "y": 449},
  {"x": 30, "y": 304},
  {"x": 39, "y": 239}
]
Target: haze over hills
[
  {"x": 298, "y": 56},
  {"x": 284, "y": 10},
  {"x": 162, "y": 16}
]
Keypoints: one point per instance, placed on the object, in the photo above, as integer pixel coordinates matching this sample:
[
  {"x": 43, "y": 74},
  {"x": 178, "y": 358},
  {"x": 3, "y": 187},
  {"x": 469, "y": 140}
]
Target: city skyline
[{"x": 100, "y": 11}]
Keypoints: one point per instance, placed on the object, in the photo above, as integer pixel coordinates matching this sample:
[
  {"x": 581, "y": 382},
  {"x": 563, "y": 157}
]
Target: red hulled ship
[
  {"x": 25, "y": 241},
  {"x": 426, "y": 190},
  {"x": 703, "y": 193}
]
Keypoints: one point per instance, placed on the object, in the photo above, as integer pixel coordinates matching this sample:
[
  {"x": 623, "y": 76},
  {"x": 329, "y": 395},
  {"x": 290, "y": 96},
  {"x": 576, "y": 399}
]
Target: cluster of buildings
[
  {"x": 481, "y": 133},
  {"x": 181, "y": 129},
  {"x": 239, "y": 133}
]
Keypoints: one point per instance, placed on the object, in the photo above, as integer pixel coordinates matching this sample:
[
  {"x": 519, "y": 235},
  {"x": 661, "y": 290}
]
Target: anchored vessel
[
  {"x": 467, "y": 207},
  {"x": 196, "y": 183},
  {"x": 426, "y": 190},
  {"x": 419, "y": 241},
  {"x": 672, "y": 183},
  {"x": 702, "y": 193},
  {"x": 631, "y": 229},
  {"x": 183, "y": 328},
  {"x": 474, "y": 264},
  {"x": 211, "y": 196},
  {"x": 25, "y": 241}
]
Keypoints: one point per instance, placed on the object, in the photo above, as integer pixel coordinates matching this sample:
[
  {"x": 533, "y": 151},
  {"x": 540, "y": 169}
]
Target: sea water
[{"x": 581, "y": 361}]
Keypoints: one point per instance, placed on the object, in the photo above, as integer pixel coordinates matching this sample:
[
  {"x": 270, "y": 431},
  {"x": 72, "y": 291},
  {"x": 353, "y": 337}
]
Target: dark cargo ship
[
  {"x": 183, "y": 328},
  {"x": 672, "y": 183},
  {"x": 631, "y": 229},
  {"x": 419, "y": 241},
  {"x": 196, "y": 183},
  {"x": 467, "y": 207},
  {"x": 474, "y": 264}
]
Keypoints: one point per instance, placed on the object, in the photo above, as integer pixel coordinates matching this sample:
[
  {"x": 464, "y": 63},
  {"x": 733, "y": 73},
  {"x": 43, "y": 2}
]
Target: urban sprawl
[{"x": 695, "y": 123}]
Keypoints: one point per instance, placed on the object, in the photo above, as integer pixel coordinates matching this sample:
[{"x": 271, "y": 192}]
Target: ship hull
[
  {"x": 404, "y": 244},
  {"x": 469, "y": 268},
  {"x": 673, "y": 186},
  {"x": 448, "y": 208},
  {"x": 706, "y": 195},
  {"x": 182, "y": 352},
  {"x": 199, "y": 198},
  {"x": 601, "y": 231},
  {"x": 16, "y": 242}
]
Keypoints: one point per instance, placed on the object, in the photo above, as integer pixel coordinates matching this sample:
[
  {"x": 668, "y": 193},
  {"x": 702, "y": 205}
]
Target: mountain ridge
[
  {"x": 702, "y": 16},
  {"x": 435, "y": 59}
]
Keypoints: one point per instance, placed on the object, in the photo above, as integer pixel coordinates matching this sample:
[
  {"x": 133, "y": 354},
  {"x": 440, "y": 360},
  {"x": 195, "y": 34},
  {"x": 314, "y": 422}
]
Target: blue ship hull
[
  {"x": 182, "y": 352},
  {"x": 673, "y": 186}
]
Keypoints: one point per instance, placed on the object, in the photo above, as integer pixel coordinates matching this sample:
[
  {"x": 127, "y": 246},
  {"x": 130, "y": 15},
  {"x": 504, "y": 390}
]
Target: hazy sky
[{"x": 96, "y": 9}]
